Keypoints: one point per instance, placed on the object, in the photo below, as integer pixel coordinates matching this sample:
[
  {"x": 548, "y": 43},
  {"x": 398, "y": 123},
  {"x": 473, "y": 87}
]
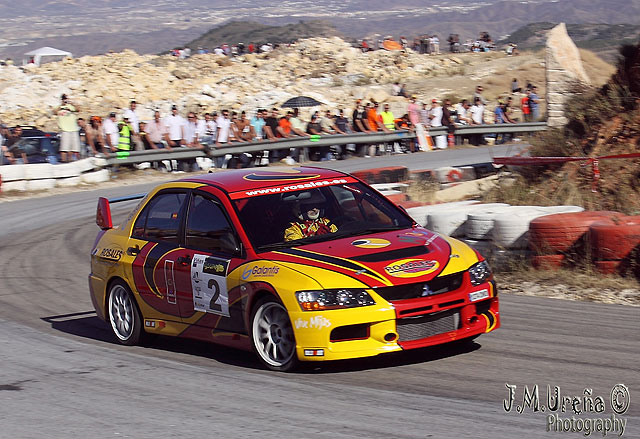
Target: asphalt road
[{"x": 63, "y": 375}]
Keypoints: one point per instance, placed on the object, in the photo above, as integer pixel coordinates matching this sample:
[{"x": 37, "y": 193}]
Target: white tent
[{"x": 49, "y": 53}]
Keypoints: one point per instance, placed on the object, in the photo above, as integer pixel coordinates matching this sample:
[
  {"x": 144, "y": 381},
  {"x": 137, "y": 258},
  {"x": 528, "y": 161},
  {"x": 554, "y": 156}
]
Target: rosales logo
[
  {"x": 411, "y": 268},
  {"x": 259, "y": 271}
]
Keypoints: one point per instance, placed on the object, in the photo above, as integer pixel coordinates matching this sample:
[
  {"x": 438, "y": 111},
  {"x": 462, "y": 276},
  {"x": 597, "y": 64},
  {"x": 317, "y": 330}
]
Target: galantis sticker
[
  {"x": 371, "y": 243},
  {"x": 411, "y": 268},
  {"x": 209, "y": 284},
  {"x": 259, "y": 271}
]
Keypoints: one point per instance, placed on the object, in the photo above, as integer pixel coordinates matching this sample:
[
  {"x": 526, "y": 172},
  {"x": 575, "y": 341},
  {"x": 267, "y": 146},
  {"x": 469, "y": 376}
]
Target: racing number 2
[{"x": 213, "y": 306}]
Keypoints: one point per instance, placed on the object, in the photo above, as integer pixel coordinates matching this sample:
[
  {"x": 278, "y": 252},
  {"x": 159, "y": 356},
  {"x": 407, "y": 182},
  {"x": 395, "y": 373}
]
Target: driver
[{"x": 310, "y": 221}]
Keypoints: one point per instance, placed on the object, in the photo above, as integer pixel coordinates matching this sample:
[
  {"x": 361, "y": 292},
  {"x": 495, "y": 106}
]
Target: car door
[
  {"x": 207, "y": 295},
  {"x": 155, "y": 242}
]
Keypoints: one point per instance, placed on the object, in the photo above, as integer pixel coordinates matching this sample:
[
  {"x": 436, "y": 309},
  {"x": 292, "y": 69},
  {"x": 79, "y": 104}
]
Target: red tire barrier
[
  {"x": 557, "y": 233},
  {"x": 391, "y": 174},
  {"x": 607, "y": 267},
  {"x": 547, "y": 262},
  {"x": 615, "y": 241}
]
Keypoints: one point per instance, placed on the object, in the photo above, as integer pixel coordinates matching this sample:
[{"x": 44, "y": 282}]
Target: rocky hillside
[
  {"x": 247, "y": 32},
  {"x": 328, "y": 69}
]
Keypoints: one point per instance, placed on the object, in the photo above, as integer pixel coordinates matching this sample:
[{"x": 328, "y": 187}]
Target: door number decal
[{"x": 209, "y": 284}]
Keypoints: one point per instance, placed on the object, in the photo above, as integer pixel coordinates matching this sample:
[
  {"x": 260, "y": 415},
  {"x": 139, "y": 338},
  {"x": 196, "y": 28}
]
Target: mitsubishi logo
[{"x": 426, "y": 291}]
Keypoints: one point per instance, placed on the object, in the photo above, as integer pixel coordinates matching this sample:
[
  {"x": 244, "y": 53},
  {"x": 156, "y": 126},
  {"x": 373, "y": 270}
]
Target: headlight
[
  {"x": 479, "y": 273},
  {"x": 317, "y": 300}
]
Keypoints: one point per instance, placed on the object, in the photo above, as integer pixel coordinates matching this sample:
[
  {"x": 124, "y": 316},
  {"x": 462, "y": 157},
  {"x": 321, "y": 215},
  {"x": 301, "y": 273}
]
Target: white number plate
[{"x": 478, "y": 295}]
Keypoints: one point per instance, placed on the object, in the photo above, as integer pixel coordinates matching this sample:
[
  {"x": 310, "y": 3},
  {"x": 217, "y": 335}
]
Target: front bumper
[{"x": 400, "y": 325}]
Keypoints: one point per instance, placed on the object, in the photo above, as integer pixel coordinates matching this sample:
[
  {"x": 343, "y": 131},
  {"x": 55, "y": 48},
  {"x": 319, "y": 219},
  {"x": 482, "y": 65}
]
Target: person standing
[
  {"x": 155, "y": 131},
  {"x": 124, "y": 135},
  {"x": 534, "y": 101},
  {"x": 174, "y": 128},
  {"x": 110, "y": 132},
  {"x": 435, "y": 114},
  {"x": 524, "y": 106},
  {"x": 477, "y": 118},
  {"x": 69, "y": 130}
]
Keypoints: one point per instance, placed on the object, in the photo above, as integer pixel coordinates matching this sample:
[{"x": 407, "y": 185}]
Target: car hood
[{"x": 383, "y": 259}]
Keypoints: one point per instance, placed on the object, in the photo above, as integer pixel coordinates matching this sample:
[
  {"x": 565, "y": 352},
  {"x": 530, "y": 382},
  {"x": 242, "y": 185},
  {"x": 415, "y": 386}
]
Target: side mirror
[{"x": 103, "y": 214}]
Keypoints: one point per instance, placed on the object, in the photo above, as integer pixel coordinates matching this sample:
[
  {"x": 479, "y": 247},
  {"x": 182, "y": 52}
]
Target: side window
[
  {"x": 208, "y": 228},
  {"x": 160, "y": 219}
]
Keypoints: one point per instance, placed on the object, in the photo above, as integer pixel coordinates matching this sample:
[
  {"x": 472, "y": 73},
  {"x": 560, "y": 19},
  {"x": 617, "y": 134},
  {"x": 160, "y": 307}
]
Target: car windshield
[{"x": 289, "y": 219}]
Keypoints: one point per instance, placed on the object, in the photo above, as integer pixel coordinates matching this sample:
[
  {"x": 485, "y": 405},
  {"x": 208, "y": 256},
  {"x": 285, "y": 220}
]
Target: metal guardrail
[{"x": 182, "y": 153}]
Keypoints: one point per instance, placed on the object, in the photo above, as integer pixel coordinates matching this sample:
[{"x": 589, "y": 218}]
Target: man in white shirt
[
  {"x": 477, "y": 118},
  {"x": 130, "y": 113},
  {"x": 207, "y": 129},
  {"x": 435, "y": 114},
  {"x": 174, "y": 128},
  {"x": 110, "y": 131},
  {"x": 224, "y": 127},
  {"x": 191, "y": 131}
]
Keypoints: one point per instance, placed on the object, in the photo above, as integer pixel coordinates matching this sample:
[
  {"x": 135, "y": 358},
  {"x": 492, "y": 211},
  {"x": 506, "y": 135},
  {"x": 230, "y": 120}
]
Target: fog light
[
  {"x": 314, "y": 352},
  {"x": 391, "y": 336}
]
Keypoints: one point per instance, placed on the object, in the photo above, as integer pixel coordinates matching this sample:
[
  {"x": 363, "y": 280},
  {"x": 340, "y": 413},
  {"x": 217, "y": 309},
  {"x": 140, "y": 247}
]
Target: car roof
[{"x": 255, "y": 178}]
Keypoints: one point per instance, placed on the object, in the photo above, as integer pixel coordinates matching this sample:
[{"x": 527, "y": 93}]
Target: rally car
[{"x": 297, "y": 264}]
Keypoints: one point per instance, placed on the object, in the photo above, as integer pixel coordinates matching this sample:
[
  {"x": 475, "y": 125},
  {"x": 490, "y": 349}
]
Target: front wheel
[
  {"x": 124, "y": 316},
  {"x": 272, "y": 335}
]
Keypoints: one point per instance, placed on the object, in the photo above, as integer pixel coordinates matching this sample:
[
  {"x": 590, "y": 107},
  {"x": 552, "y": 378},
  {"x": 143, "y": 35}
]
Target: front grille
[
  {"x": 438, "y": 285},
  {"x": 415, "y": 328}
]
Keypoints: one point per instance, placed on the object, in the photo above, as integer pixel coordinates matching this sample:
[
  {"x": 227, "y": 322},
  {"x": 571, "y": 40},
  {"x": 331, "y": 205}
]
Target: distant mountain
[
  {"x": 603, "y": 39},
  {"x": 157, "y": 25},
  {"x": 246, "y": 32}
]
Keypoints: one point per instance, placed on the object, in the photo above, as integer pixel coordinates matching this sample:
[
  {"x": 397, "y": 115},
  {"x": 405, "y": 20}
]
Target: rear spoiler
[{"x": 103, "y": 213}]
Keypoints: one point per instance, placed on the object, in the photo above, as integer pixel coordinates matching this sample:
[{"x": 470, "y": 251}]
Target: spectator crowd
[{"x": 121, "y": 133}]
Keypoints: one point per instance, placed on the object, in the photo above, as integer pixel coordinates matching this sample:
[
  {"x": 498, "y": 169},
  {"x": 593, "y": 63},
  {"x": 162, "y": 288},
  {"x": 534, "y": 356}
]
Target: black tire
[
  {"x": 125, "y": 320},
  {"x": 272, "y": 335}
]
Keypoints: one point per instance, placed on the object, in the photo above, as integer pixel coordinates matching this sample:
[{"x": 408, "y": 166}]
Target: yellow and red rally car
[{"x": 297, "y": 264}]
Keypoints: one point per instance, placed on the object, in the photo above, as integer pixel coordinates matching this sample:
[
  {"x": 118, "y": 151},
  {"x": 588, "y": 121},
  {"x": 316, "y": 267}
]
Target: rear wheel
[
  {"x": 272, "y": 335},
  {"x": 124, "y": 315}
]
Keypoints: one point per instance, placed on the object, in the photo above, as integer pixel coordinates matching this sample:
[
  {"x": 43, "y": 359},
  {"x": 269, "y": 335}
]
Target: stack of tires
[
  {"x": 570, "y": 238},
  {"x": 616, "y": 245}
]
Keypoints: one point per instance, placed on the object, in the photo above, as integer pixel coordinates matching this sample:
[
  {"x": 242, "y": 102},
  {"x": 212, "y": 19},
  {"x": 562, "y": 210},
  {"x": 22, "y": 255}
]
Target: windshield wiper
[{"x": 277, "y": 245}]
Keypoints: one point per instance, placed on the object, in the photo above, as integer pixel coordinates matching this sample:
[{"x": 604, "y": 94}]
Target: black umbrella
[{"x": 301, "y": 101}]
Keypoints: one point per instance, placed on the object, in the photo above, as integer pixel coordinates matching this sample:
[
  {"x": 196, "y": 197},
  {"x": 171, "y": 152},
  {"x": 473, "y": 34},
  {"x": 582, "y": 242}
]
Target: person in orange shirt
[
  {"x": 285, "y": 124},
  {"x": 375, "y": 124}
]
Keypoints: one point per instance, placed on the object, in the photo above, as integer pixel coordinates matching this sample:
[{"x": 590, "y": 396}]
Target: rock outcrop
[{"x": 564, "y": 72}]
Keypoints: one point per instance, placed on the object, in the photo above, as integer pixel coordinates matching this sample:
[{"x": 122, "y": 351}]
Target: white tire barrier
[
  {"x": 41, "y": 185},
  {"x": 68, "y": 182},
  {"x": 18, "y": 185},
  {"x": 480, "y": 223},
  {"x": 96, "y": 177},
  {"x": 452, "y": 221},
  {"x": 420, "y": 214},
  {"x": 512, "y": 230},
  {"x": 65, "y": 170},
  {"x": 38, "y": 176},
  {"x": 12, "y": 172},
  {"x": 38, "y": 171}
]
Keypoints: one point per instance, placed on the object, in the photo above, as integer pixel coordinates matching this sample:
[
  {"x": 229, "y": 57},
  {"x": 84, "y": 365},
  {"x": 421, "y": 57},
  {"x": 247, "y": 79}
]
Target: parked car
[{"x": 38, "y": 146}]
